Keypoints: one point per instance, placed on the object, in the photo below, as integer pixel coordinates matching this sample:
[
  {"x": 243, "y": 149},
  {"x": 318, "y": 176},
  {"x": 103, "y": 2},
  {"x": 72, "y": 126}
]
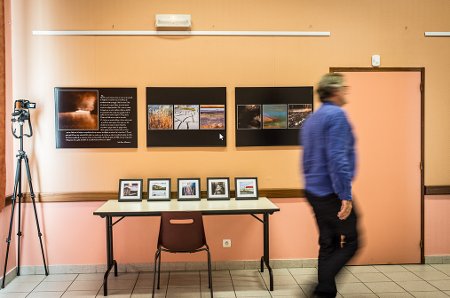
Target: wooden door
[{"x": 385, "y": 111}]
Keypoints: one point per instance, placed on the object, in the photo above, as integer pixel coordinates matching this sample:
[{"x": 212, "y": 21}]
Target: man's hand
[{"x": 346, "y": 209}]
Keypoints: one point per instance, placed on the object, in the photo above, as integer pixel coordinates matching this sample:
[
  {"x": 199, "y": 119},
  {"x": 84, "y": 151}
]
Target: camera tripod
[{"x": 20, "y": 116}]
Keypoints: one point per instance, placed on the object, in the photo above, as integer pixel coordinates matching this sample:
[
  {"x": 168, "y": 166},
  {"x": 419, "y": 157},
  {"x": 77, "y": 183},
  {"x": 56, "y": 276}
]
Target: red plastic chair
[{"x": 181, "y": 232}]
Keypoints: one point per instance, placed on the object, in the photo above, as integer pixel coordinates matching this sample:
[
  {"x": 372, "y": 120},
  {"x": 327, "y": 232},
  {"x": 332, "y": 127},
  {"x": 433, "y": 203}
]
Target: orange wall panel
[{"x": 358, "y": 29}]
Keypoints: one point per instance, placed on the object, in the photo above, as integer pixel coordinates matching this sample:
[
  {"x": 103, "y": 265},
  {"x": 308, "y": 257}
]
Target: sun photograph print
[
  {"x": 160, "y": 117},
  {"x": 246, "y": 188},
  {"x": 158, "y": 189},
  {"x": 275, "y": 116},
  {"x": 77, "y": 109},
  {"x": 186, "y": 117},
  {"x": 297, "y": 114},
  {"x": 212, "y": 116},
  {"x": 249, "y": 116},
  {"x": 189, "y": 189},
  {"x": 130, "y": 190},
  {"x": 218, "y": 188}
]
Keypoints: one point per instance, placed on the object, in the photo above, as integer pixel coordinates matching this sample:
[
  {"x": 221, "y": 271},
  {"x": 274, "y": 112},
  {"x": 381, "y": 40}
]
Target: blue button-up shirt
[{"x": 328, "y": 152}]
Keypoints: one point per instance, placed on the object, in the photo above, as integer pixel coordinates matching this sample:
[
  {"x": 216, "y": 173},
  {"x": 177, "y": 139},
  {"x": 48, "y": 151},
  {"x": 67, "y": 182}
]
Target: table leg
[
  {"x": 110, "y": 262},
  {"x": 266, "y": 249},
  {"x": 111, "y": 245}
]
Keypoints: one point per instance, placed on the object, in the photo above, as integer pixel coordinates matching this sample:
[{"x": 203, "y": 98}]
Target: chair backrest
[{"x": 181, "y": 231}]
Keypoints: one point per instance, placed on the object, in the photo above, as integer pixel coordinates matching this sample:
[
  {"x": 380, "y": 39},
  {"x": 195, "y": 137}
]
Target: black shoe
[{"x": 318, "y": 294}]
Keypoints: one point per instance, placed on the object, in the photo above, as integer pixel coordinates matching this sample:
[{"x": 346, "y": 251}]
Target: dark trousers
[{"x": 332, "y": 255}]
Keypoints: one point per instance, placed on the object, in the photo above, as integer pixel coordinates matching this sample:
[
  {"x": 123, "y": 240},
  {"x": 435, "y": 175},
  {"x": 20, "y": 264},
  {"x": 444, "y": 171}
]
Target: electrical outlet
[{"x": 226, "y": 243}]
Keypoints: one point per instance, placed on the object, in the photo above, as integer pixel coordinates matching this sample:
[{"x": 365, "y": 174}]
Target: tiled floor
[{"x": 387, "y": 281}]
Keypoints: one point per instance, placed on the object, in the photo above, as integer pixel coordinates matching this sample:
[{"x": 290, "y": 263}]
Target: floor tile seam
[
  {"x": 200, "y": 278},
  {"x": 439, "y": 269},
  {"x": 301, "y": 289},
  {"x": 370, "y": 288},
  {"x": 167, "y": 285},
  {"x": 232, "y": 283},
  {"x": 430, "y": 285},
  {"x": 371, "y": 292},
  {"x": 135, "y": 283},
  {"x": 264, "y": 282},
  {"x": 397, "y": 282},
  {"x": 382, "y": 273},
  {"x": 54, "y": 291},
  {"x": 405, "y": 290},
  {"x": 425, "y": 265},
  {"x": 36, "y": 286}
]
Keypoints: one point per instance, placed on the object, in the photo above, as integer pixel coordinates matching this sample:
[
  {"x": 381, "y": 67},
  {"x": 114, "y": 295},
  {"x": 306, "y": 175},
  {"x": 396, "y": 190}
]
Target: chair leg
[
  {"x": 209, "y": 273},
  {"x": 159, "y": 268},
  {"x": 157, "y": 254}
]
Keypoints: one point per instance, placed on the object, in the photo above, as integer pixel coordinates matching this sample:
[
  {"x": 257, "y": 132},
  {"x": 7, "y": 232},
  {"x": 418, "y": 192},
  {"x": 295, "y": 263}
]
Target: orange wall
[
  {"x": 393, "y": 29},
  {"x": 293, "y": 234},
  {"x": 78, "y": 237},
  {"x": 358, "y": 30}
]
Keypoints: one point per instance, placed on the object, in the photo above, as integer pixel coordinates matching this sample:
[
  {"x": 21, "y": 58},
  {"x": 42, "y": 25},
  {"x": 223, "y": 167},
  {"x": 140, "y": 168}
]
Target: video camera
[
  {"x": 24, "y": 104},
  {"x": 21, "y": 114}
]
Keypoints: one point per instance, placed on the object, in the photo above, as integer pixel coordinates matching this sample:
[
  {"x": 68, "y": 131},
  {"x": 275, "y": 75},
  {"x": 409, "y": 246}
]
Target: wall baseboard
[
  {"x": 172, "y": 266},
  {"x": 186, "y": 266},
  {"x": 445, "y": 259},
  {"x": 9, "y": 276}
]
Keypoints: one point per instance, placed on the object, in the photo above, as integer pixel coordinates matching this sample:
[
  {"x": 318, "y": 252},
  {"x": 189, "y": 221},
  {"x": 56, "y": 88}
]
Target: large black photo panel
[
  {"x": 271, "y": 116},
  {"x": 186, "y": 117},
  {"x": 96, "y": 117}
]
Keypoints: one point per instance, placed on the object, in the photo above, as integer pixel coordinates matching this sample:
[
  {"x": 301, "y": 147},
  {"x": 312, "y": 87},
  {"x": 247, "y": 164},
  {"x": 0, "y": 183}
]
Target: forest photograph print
[{"x": 160, "y": 116}]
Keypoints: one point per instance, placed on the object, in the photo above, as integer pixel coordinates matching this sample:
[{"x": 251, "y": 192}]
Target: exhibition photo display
[
  {"x": 271, "y": 116},
  {"x": 186, "y": 117},
  {"x": 96, "y": 117}
]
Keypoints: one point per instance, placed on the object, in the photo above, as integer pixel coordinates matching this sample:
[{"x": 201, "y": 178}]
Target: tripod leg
[
  {"x": 8, "y": 241},
  {"x": 19, "y": 196},
  {"x": 27, "y": 166},
  {"x": 11, "y": 222}
]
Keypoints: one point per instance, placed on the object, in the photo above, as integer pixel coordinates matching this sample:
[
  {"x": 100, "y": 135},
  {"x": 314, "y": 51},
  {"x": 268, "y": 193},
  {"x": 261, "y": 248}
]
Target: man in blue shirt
[{"x": 329, "y": 168}]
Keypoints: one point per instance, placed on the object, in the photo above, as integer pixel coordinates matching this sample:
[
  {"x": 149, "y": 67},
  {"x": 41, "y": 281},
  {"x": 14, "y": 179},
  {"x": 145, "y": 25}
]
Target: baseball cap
[{"x": 331, "y": 80}]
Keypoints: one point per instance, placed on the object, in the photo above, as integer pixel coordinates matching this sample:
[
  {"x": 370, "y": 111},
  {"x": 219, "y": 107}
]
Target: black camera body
[
  {"x": 20, "y": 115},
  {"x": 24, "y": 104}
]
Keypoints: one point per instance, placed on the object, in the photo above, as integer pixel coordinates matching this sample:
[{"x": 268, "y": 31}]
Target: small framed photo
[
  {"x": 188, "y": 189},
  {"x": 158, "y": 189},
  {"x": 218, "y": 188},
  {"x": 246, "y": 188},
  {"x": 130, "y": 190}
]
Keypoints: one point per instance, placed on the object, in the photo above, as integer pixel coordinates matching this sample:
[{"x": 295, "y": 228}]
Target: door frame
[{"x": 422, "y": 134}]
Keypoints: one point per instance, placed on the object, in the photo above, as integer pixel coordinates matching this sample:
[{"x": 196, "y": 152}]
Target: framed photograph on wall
[
  {"x": 186, "y": 116},
  {"x": 246, "y": 188},
  {"x": 158, "y": 189},
  {"x": 271, "y": 116},
  {"x": 130, "y": 190},
  {"x": 188, "y": 189},
  {"x": 218, "y": 188},
  {"x": 95, "y": 117}
]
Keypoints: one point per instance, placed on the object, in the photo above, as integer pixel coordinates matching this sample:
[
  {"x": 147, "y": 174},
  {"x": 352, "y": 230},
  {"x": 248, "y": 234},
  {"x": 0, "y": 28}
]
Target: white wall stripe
[{"x": 179, "y": 33}]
